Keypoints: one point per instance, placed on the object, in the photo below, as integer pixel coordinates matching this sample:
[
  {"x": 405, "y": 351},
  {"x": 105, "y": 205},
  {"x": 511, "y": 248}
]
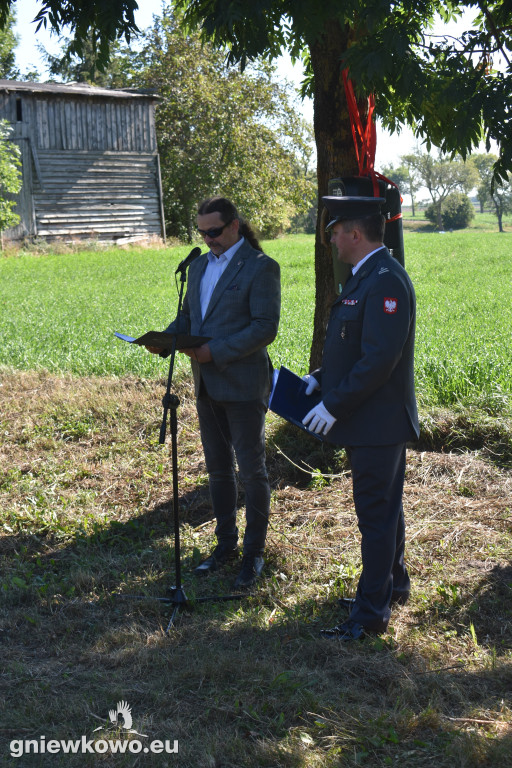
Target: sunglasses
[{"x": 215, "y": 231}]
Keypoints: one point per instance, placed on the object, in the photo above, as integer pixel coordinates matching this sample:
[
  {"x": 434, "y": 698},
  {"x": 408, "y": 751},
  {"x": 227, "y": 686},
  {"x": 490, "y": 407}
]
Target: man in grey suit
[
  {"x": 233, "y": 297},
  {"x": 368, "y": 403}
]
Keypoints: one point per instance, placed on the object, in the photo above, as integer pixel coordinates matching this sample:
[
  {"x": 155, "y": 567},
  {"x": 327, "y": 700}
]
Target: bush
[{"x": 457, "y": 211}]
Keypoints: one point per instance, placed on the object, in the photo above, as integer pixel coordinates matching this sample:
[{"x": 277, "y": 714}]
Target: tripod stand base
[{"x": 178, "y": 599}]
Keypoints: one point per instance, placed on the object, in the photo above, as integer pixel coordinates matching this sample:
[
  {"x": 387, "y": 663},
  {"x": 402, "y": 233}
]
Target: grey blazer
[{"x": 242, "y": 318}]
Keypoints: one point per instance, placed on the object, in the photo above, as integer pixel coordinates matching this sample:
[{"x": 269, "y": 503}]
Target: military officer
[{"x": 368, "y": 403}]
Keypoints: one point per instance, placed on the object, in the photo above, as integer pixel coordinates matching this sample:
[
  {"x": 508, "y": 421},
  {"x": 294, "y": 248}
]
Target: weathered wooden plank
[
  {"x": 100, "y": 122},
  {"x": 118, "y": 158},
  {"x": 41, "y": 124},
  {"x": 48, "y": 221},
  {"x": 123, "y": 121},
  {"x": 139, "y": 137},
  {"x": 115, "y": 128},
  {"x": 127, "y": 121},
  {"x": 58, "y": 137},
  {"x": 84, "y": 127},
  {"x": 79, "y": 141},
  {"x": 108, "y": 127},
  {"x": 99, "y": 220},
  {"x": 77, "y": 129},
  {"x": 130, "y": 126},
  {"x": 98, "y": 226},
  {"x": 100, "y": 159},
  {"x": 136, "y": 208},
  {"x": 67, "y": 120},
  {"x": 51, "y": 123},
  {"x": 45, "y": 202},
  {"x": 6, "y": 108},
  {"x": 104, "y": 225}
]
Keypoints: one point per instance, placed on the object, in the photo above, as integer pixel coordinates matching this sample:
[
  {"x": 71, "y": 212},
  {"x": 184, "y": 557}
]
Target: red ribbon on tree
[{"x": 365, "y": 138}]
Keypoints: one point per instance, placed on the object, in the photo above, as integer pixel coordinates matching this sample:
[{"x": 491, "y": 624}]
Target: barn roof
[{"x": 76, "y": 89}]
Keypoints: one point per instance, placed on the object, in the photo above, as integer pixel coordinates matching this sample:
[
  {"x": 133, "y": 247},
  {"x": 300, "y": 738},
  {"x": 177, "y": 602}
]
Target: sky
[{"x": 389, "y": 147}]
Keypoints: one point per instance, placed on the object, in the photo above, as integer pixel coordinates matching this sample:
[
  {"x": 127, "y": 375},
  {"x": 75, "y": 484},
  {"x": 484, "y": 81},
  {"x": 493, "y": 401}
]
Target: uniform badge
[
  {"x": 350, "y": 302},
  {"x": 390, "y": 305}
]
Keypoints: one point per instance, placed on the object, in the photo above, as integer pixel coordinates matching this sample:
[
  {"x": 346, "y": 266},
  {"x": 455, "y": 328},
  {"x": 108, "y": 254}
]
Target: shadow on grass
[
  {"x": 488, "y": 609},
  {"x": 294, "y": 457},
  {"x": 444, "y": 431},
  {"x": 239, "y": 687}
]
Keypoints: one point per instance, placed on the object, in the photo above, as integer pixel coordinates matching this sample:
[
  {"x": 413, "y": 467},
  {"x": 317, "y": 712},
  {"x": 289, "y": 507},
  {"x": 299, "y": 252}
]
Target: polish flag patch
[{"x": 390, "y": 305}]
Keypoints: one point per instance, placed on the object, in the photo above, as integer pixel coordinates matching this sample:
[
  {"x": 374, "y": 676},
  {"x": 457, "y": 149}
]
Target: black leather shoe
[
  {"x": 346, "y": 632},
  {"x": 397, "y": 598},
  {"x": 218, "y": 557},
  {"x": 252, "y": 567}
]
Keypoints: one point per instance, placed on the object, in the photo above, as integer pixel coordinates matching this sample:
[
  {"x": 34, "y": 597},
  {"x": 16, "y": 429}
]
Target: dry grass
[{"x": 86, "y": 516}]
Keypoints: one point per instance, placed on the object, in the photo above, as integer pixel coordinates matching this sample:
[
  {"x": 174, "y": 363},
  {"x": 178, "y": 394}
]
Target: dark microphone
[{"x": 194, "y": 253}]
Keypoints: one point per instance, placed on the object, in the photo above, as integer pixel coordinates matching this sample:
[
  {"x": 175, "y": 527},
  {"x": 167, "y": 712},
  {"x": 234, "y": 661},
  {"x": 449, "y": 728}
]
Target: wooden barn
[{"x": 90, "y": 162}]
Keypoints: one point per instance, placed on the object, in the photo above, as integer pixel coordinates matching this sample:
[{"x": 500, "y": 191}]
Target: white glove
[
  {"x": 319, "y": 420},
  {"x": 311, "y": 382}
]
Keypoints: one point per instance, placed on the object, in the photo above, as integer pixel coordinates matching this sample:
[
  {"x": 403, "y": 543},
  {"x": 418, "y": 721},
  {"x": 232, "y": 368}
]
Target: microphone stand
[{"x": 171, "y": 402}]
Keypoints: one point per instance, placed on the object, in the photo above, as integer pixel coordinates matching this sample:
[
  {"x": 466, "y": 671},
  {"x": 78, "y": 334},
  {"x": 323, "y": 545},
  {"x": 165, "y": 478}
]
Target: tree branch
[{"x": 494, "y": 29}]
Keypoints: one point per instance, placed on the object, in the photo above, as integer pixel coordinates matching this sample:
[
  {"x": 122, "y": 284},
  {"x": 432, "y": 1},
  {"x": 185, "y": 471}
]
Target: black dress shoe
[
  {"x": 252, "y": 567},
  {"x": 346, "y": 632},
  {"x": 218, "y": 557}
]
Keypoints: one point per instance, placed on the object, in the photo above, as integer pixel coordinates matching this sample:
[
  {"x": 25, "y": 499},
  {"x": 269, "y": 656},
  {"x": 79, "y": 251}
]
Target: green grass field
[
  {"x": 59, "y": 312},
  {"x": 86, "y": 521}
]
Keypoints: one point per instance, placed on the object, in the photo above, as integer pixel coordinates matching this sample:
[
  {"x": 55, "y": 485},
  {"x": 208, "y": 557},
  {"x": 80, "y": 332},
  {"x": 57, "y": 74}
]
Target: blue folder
[{"x": 288, "y": 399}]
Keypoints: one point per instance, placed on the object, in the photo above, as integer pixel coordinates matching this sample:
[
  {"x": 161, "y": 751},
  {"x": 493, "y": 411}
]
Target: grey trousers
[{"x": 230, "y": 429}]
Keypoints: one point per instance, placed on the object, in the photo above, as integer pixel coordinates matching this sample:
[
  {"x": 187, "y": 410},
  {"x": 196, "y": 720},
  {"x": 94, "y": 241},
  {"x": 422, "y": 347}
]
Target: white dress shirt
[
  {"x": 214, "y": 269},
  {"x": 360, "y": 263}
]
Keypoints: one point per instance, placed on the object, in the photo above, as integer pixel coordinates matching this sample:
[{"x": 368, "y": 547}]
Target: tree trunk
[
  {"x": 499, "y": 212},
  {"x": 335, "y": 157},
  {"x": 411, "y": 191},
  {"x": 439, "y": 215}
]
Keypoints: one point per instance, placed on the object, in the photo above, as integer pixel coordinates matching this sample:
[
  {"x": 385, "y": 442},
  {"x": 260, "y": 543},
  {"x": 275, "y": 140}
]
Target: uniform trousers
[
  {"x": 230, "y": 429},
  {"x": 377, "y": 479}
]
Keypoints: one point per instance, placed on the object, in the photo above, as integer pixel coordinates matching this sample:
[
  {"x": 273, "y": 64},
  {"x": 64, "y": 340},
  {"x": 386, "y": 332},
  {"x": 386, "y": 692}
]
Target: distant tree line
[{"x": 449, "y": 182}]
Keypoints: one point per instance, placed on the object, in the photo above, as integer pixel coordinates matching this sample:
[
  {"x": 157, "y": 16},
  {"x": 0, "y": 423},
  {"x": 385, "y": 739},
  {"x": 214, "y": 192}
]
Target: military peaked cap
[{"x": 348, "y": 208}]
